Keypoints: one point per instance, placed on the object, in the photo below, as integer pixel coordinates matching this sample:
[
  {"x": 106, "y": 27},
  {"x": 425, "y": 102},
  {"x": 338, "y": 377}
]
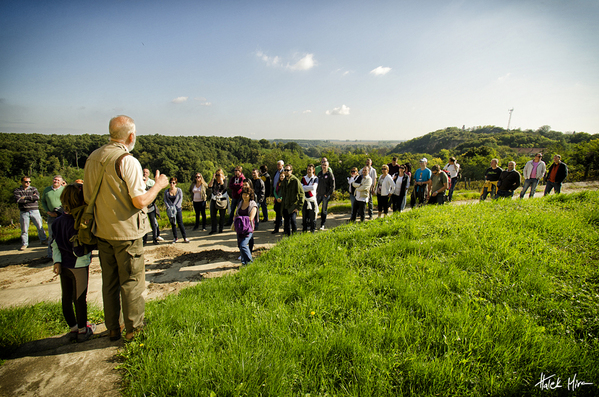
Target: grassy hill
[
  {"x": 460, "y": 140},
  {"x": 463, "y": 300}
]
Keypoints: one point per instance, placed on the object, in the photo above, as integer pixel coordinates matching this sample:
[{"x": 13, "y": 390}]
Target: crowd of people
[{"x": 125, "y": 213}]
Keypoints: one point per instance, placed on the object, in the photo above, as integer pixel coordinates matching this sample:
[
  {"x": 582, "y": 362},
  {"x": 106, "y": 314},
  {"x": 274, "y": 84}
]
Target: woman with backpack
[
  {"x": 219, "y": 201},
  {"x": 72, "y": 264},
  {"x": 244, "y": 224}
]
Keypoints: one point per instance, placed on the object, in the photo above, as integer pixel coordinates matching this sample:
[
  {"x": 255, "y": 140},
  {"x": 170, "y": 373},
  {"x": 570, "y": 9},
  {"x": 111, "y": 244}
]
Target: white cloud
[
  {"x": 380, "y": 71},
  {"x": 180, "y": 99},
  {"x": 306, "y": 63},
  {"x": 342, "y": 111},
  {"x": 307, "y": 111},
  {"x": 341, "y": 72},
  {"x": 503, "y": 78},
  {"x": 206, "y": 104},
  {"x": 270, "y": 61}
]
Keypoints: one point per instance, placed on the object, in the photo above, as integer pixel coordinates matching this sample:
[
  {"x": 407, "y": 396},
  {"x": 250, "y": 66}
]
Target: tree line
[{"x": 42, "y": 156}]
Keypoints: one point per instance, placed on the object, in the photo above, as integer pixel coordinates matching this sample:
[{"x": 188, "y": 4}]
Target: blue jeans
[
  {"x": 264, "y": 207},
  {"x": 234, "y": 202},
  {"x": 179, "y": 219},
  {"x": 200, "y": 209},
  {"x": 323, "y": 203},
  {"x": 553, "y": 185},
  {"x": 352, "y": 200},
  {"x": 532, "y": 183},
  {"x": 454, "y": 181},
  {"x": 154, "y": 225},
  {"x": 36, "y": 218},
  {"x": 289, "y": 222},
  {"x": 246, "y": 246},
  {"x": 50, "y": 220}
]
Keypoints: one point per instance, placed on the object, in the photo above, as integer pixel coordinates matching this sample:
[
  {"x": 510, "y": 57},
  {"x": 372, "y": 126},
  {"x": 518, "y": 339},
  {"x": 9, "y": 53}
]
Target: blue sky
[{"x": 298, "y": 70}]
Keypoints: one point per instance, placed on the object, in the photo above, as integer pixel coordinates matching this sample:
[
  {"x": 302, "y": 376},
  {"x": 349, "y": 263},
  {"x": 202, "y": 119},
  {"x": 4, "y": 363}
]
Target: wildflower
[
  {"x": 141, "y": 345},
  {"x": 312, "y": 313}
]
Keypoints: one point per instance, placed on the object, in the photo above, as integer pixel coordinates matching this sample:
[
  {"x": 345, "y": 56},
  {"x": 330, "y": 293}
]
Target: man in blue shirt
[{"x": 422, "y": 179}]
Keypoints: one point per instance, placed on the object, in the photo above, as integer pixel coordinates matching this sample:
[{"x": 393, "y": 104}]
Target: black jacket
[
  {"x": 562, "y": 172},
  {"x": 326, "y": 183}
]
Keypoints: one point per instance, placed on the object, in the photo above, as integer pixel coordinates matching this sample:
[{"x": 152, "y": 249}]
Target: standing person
[
  {"x": 384, "y": 191},
  {"x": 439, "y": 182},
  {"x": 393, "y": 168},
  {"x": 173, "y": 199},
  {"x": 509, "y": 180},
  {"x": 219, "y": 200},
  {"x": 491, "y": 177},
  {"x": 198, "y": 190},
  {"x": 153, "y": 211},
  {"x": 293, "y": 200},
  {"x": 326, "y": 187},
  {"x": 362, "y": 193},
  {"x": 533, "y": 172},
  {"x": 72, "y": 264},
  {"x": 353, "y": 177},
  {"x": 454, "y": 170},
  {"x": 422, "y": 182},
  {"x": 373, "y": 176},
  {"x": 259, "y": 190},
  {"x": 265, "y": 176},
  {"x": 247, "y": 212},
  {"x": 402, "y": 184},
  {"x": 27, "y": 197},
  {"x": 278, "y": 195},
  {"x": 276, "y": 180},
  {"x": 309, "y": 185},
  {"x": 235, "y": 186},
  {"x": 557, "y": 172},
  {"x": 120, "y": 224},
  {"x": 52, "y": 206}
]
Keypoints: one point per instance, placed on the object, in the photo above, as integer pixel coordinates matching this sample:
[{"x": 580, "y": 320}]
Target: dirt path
[{"x": 53, "y": 366}]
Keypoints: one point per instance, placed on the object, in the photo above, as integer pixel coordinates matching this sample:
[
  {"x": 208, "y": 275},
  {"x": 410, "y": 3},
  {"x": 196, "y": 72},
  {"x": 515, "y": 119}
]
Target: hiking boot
[
  {"x": 89, "y": 331},
  {"x": 23, "y": 248},
  {"x": 115, "y": 334},
  {"x": 159, "y": 238}
]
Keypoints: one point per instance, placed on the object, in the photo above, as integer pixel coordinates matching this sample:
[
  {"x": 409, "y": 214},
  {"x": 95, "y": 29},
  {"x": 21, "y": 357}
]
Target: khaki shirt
[{"x": 116, "y": 218}]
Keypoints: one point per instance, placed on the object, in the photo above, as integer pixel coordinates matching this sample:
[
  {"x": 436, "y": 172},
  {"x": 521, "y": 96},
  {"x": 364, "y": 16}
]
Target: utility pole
[{"x": 510, "y": 119}]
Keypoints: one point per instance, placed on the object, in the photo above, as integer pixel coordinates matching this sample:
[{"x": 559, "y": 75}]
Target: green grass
[
  {"x": 19, "y": 325},
  {"x": 464, "y": 300}
]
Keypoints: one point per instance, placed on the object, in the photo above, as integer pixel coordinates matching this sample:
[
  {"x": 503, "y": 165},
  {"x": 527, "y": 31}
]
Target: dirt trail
[{"x": 53, "y": 366}]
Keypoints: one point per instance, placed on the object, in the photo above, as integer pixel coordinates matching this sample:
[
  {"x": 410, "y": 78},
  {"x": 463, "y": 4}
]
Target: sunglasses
[
  {"x": 26, "y": 181},
  {"x": 287, "y": 170}
]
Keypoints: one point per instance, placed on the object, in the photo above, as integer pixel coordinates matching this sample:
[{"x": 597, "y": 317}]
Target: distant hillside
[{"x": 461, "y": 140}]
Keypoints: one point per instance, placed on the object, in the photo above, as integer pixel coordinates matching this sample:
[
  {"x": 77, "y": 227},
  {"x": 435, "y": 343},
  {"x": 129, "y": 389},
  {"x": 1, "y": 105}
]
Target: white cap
[{"x": 423, "y": 160}]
